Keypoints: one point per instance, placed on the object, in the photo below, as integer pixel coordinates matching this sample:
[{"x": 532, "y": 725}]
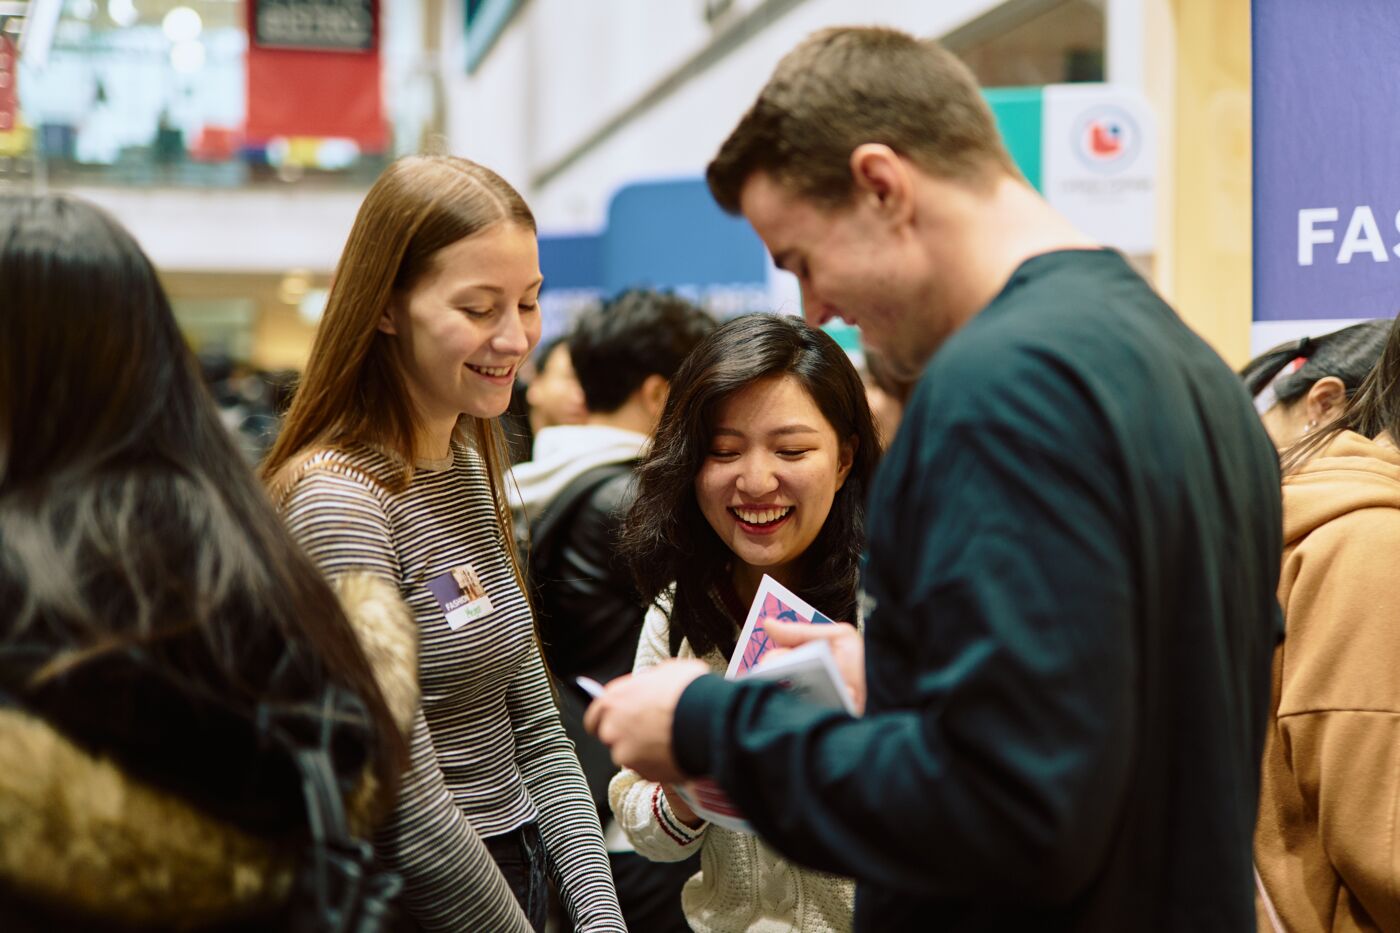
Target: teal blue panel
[
  {"x": 486, "y": 20},
  {"x": 1018, "y": 115},
  {"x": 847, "y": 337}
]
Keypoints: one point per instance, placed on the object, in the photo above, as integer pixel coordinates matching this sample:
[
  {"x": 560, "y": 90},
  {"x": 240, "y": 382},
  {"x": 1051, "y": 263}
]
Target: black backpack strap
[
  {"x": 340, "y": 889},
  {"x": 544, "y": 530},
  {"x": 349, "y": 892}
]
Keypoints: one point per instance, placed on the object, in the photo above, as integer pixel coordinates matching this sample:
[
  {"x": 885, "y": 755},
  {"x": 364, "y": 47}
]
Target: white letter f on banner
[{"x": 1308, "y": 234}]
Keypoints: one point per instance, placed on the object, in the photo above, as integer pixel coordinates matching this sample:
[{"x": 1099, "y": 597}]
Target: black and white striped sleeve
[
  {"x": 341, "y": 524},
  {"x": 568, "y": 818},
  {"x": 451, "y": 882}
]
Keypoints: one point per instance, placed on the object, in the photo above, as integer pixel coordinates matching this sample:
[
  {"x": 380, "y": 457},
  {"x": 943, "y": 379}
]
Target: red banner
[
  {"x": 313, "y": 70},
  {"x": 9, "y": 93}
]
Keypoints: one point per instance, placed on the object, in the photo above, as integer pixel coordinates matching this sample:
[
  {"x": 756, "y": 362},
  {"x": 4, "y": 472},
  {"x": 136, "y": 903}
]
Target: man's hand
[
  {"x": 847, "y": 646},
  {"x": 633, "y": 717}
]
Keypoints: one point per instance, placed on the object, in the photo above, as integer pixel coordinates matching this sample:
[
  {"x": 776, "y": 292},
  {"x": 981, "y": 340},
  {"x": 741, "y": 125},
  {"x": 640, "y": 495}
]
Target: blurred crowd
[{"x": 454, "y": 630}]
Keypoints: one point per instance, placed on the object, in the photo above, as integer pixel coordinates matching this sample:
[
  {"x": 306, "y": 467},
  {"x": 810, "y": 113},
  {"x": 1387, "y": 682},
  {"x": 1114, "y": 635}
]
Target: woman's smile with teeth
[
  {"x": 761, "y": 516},
  {"x": 496, "y": 371}
]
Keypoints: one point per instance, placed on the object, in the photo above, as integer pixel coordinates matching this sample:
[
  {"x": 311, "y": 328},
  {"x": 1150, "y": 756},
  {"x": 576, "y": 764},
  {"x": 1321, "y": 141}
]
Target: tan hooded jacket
[
  {"x": 1327, "y": 845},
  {"x": 77, "y": 831}
]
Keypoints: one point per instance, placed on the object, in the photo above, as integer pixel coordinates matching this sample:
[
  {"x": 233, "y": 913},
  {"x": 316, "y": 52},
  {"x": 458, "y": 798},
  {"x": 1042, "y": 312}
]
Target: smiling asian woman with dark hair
[{"x": 760, "y": 465}]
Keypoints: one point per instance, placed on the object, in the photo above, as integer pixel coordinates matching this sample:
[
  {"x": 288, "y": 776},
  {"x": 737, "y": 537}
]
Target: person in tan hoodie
[{"x": 1327, "y": 843}]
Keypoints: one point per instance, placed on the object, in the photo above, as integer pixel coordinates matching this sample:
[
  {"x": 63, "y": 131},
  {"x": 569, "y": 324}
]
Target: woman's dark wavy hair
[
  {"x": 129, "y": 523},
  {"x": 666, "y": 538}
]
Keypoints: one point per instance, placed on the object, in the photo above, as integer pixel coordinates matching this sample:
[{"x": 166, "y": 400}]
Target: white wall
[
  {"x": 489, "y": 119},
  {"x": 232, "y": 230},
  {"x": 563, "y": 69}
]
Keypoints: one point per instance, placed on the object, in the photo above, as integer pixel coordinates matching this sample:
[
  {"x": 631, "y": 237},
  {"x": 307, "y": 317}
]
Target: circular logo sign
[{"x": 1107, "y": 139}]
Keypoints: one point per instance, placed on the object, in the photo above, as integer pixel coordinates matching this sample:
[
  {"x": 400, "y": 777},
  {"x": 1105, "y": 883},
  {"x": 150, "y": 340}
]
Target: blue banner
[{"x": 1326, "y": 138}]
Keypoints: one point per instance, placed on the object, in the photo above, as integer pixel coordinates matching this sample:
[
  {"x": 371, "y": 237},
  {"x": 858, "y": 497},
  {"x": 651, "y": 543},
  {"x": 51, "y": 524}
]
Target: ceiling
[
  {"x": 213, "y": 13},
  {"x": 97, "y": 15}
]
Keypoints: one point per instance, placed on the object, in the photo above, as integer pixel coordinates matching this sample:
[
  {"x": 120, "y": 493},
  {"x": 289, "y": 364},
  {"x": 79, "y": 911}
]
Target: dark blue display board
[{"x": 1326, "y": 159}]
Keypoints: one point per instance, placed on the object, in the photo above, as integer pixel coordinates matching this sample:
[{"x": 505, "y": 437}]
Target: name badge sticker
[{"x": 461, "y": 595}]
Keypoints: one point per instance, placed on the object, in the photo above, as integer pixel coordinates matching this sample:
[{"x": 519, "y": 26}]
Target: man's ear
[
  {"x": 846, "y": 458},
  {"x": 1325, "y": 399},
  {"x": 879, "y": 172},
  {"x": 654, "y": 390}
]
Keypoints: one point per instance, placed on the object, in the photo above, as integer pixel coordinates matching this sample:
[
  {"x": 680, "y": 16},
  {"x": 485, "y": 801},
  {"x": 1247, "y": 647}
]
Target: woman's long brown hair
[{"x": 353, "y": 390}]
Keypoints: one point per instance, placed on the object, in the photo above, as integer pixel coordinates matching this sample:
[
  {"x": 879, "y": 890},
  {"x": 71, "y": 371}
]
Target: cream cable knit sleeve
[
  {"x": 743, "y": 885},
  {"x": 640, "y": 806}
]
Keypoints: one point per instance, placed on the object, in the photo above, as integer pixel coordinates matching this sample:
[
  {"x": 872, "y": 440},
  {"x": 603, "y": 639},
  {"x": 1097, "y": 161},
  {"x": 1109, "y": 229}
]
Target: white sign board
[{"x": 1099, "y": 162}]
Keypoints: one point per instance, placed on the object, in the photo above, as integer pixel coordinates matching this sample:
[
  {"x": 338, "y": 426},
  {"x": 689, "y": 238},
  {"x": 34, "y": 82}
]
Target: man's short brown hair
[{"x": 847, "y": 86}]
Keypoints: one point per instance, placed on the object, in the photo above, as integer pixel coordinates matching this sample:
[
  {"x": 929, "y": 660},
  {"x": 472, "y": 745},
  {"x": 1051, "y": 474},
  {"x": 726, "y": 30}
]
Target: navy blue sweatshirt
[{"x": 1074, "y": 544}]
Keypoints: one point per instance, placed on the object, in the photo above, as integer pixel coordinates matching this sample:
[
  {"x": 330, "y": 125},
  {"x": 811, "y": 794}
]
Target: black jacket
[
  {"x": 1074, "y": 544},
  {"x": 586, "y": 606}
]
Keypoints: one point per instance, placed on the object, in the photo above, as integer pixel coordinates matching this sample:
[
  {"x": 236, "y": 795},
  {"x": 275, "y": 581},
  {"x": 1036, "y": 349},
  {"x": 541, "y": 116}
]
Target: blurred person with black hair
[
  {"x": 546, "y": 394},
  {"x": 166, "y": 649},
  {"x": 573, "y": 496},
  {"x": 250, "y": 401},
  {"x": 1303, "y": 383}
]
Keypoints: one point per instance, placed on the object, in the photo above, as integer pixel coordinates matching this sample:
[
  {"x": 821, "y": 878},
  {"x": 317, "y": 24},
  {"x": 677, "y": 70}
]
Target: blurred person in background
[
  {"x": 1325, "y": 845},
  {"x": 1073, "y": 553},
  {"x": 761, "y": 465},
  {"x": 1304, "y": 383},
  {"x": 250, "y": 401},
  {"x": 546, "y": 394},
  {"x": 391, "y": 461},
  {"x": 554, "y": 394},
  {"x": 887, "y": 395},
  {"x": 573, "y": 497},
  {"x": 165, "y": 647}
]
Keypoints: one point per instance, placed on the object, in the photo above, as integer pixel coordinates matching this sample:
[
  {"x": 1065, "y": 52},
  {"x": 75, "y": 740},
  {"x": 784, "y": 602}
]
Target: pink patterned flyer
[
  {"x": 809, "y": 671},
  {"x": 773, "y": 601}
]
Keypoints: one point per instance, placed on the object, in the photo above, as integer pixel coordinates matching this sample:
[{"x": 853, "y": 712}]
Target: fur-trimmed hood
[{"x": 81, "y": 837}]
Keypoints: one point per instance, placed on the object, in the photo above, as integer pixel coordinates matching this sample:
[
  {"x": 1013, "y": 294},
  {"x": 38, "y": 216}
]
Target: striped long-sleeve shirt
[{"x": 488, "y": 754}]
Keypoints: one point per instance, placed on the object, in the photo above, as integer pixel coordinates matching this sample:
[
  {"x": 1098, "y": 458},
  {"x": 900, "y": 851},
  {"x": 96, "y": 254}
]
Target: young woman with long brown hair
[
  {"x": 391, "y": 460},
  {"x": 161, "y": 634}
]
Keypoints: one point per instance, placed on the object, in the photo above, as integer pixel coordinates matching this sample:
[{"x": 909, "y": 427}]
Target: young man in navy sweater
[{"x": 1074, "y": 543}]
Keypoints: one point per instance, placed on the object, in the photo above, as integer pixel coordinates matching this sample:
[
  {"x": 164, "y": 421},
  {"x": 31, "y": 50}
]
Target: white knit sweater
[{"x": 743, "y": 885}]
